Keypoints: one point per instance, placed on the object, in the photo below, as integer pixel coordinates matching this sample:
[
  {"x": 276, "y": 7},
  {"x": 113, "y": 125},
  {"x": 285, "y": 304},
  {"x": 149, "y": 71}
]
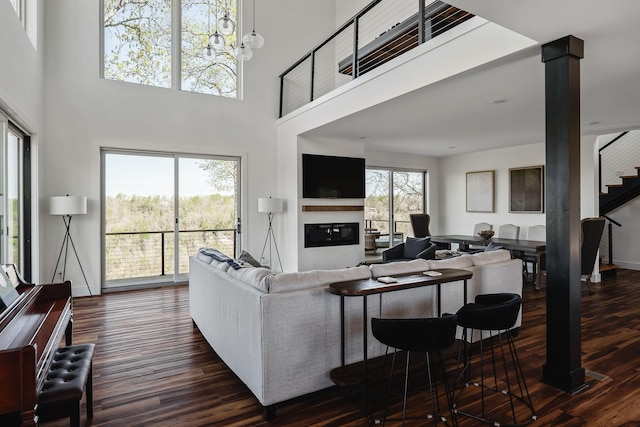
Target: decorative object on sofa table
[
  {"x": 486, "y": 234},
  {"x": 270, "y": 206},
  {"x": 66, "y": 207}
]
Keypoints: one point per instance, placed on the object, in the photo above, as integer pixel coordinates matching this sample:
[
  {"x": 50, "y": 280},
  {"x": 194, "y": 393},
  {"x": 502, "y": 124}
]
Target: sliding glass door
[
  {"x": 15, "y": 196},
  {"x": 159, "y": 208},
  {"x": 391, "y": 196}
]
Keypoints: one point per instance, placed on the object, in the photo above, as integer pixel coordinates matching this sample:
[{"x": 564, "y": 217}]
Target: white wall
[{"x": 85, "y": 112}]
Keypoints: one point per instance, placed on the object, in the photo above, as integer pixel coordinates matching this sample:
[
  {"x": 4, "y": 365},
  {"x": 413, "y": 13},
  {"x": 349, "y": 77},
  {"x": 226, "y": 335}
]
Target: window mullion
[{"x": 176, "y": 43}]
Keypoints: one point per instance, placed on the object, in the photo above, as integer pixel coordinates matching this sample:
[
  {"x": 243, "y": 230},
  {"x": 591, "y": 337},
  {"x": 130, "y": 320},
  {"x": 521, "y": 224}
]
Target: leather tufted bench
[{"x": 70, "y": 373}]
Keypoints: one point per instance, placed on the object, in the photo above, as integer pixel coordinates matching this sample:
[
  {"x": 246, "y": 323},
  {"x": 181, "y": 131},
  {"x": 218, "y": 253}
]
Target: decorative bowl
[{"x": 486, "y": 234}]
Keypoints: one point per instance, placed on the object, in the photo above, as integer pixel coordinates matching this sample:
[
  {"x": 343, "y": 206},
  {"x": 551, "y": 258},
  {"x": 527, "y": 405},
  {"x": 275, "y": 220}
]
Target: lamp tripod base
[{"x": 65, "y": 248}]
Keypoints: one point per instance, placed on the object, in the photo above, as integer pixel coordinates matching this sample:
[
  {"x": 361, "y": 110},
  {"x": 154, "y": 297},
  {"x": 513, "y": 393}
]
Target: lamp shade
[
  {"x": 67, "y": 205},
  {"x": 270, "y": 204}
]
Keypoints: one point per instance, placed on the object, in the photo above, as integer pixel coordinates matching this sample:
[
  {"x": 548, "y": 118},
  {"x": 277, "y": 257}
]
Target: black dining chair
[
  {"x": 590, "y": 236},
  {"x": 420, "y": 224}
]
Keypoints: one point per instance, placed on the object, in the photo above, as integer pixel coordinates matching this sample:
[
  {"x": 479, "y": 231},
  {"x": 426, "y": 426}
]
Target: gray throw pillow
[
  {"x": 414, "y": 245},
  {"x": 493, "y": 247},
  {"x": 246, "y": 257}
]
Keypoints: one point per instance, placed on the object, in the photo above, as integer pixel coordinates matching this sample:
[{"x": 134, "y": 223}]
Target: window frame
[{"x": 176, "y": 57}]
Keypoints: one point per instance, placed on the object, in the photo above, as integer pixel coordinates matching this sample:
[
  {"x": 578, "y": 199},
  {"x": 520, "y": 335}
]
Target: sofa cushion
[
  {"x": 404, "y": 267},
  {"x": 462, "y": 261},
  {"x": 254, "y": 276},
  {"x": 414, "y": 245},
  {"x": 295, "y": 281},
  {"x": 482, "y": 258}
]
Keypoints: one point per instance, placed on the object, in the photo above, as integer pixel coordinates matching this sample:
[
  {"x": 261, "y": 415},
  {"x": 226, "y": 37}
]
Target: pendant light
[
  {"x": 243, "y": 53},
  {"x": 253, "y": 40},
  {"x": 216, "y": 40},
  {"x": 226, "y": 26},
  {"x": 208, "y": 53}
]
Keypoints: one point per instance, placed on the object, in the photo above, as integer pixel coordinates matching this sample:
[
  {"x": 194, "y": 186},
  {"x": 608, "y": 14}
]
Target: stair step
[
  {"x": 614, "y": 185},
  {"x": 628, "y": 176},
  {"x": 608, "y": 267}
]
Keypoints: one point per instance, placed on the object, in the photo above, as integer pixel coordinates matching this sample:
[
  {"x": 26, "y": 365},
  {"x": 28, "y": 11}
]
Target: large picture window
[{"x": 160, "y": 43}]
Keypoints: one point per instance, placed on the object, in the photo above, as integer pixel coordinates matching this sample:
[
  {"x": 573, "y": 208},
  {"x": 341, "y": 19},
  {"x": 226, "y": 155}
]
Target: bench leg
[
  {"x": 75, "y": 415},
  {"x": 89, "y": 393}
]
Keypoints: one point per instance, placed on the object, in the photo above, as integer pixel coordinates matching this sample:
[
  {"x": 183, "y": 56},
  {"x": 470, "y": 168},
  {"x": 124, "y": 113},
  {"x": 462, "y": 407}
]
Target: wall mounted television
[{"x": 332, "y": 177}]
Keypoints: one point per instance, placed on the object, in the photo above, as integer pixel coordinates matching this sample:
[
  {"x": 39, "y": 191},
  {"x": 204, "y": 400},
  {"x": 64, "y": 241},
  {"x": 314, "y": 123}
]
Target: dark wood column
[{"x": 563, "y": 368}]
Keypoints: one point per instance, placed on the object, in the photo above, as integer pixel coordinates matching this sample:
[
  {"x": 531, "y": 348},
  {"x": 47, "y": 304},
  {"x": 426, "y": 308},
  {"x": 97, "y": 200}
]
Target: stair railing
[
  {"x": 600, "y": 166},
  {"x": 610, "y": 237}
]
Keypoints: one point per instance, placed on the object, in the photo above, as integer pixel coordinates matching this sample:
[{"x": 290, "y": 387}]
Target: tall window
[
  {"x": 15, "y": 196},
  {"x": 391, "y": 195},
  {"x": 159, "y": 208},
  {"x": 160, "y": 43},
  {"x": 18, "y": 6}
]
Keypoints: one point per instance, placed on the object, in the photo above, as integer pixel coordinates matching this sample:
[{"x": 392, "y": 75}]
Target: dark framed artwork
[
  {"x": 481, "y": 191},
  {"x": 526, "y": 189}
]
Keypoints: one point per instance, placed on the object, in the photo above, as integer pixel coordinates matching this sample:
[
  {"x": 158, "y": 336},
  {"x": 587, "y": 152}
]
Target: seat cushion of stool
[{"x": 67, "y": 375}]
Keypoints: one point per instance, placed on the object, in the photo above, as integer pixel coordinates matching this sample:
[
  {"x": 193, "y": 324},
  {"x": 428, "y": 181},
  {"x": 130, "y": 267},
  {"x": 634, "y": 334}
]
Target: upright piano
[{"x": 33, "y": 320}]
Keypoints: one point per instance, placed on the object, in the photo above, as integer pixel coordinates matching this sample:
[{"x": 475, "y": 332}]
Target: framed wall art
[
  {"x": 526, "y": 189},
  {"x": 481, "y": 191}
]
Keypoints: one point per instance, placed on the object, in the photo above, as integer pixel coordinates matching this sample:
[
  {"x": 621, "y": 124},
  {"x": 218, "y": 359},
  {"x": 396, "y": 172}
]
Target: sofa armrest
[
  {"x": 429, "y": 253},
  {"x": 395, "y": 252}
]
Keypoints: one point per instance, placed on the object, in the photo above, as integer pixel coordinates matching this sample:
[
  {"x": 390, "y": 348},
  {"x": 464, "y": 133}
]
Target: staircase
[
  {"x": 617, "y": 158},
  {"x": 619, "y": 194}
]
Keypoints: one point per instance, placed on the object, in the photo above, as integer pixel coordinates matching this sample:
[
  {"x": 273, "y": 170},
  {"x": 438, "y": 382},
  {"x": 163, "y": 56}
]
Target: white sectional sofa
[{"x": 280, "y": 332}]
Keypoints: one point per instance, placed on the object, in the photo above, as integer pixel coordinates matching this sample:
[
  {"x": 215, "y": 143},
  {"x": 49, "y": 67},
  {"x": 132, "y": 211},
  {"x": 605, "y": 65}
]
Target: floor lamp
[
  {"x": 270, "y": 206},
  {"x": 66, "y": 207}
]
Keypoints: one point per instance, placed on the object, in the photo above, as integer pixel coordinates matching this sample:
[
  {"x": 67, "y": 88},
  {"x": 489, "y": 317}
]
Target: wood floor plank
[{"x": 151, "y": 367}]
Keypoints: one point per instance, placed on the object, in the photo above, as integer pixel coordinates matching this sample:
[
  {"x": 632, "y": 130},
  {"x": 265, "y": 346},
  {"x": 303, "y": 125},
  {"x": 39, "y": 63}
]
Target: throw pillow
[
  {"x": 414, "y": 245},
  {"x": 246, "y": 257},
  {"x": 493, "y": 247}
]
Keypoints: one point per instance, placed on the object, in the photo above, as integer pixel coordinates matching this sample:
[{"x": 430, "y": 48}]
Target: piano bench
[{"x": 70, "y": 374}]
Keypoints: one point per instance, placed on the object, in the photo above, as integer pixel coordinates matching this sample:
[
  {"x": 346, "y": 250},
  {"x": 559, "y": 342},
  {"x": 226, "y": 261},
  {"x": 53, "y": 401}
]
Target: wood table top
[{"x": 404, "y": 281}]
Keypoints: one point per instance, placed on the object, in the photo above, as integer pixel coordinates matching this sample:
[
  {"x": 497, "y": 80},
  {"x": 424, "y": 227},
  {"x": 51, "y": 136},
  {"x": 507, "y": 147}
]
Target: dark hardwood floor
[{"x": 152, "y": 367}]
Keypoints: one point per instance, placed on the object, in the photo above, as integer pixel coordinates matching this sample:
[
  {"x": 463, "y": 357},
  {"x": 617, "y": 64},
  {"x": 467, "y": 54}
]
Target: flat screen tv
[{"x": 332, "y": 177}]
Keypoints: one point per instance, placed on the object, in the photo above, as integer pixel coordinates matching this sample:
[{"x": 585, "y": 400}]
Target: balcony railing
[
  {"x": 150, "y": 254},
  {"x": 381, "y": 31}
]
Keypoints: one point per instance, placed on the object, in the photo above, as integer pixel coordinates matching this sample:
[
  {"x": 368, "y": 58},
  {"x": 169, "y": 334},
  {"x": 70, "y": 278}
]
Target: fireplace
[{"x": 318, "y": 235}]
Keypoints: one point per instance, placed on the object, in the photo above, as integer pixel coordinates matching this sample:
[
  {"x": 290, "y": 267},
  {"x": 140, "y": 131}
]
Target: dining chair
[
  {"x": 420, "y": 224},
  {"x": 508, "y": 231},
  {"x": 481, "y": 226},
  {"x": 538, "y": 260}
]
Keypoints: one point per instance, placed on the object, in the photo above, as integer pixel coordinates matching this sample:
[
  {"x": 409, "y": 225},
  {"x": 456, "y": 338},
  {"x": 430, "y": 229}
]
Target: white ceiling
[{"x": 455, "y": 116}]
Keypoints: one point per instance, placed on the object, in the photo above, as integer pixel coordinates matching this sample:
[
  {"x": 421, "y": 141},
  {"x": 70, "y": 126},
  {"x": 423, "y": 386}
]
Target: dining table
[{"x": 518, "y": 247}]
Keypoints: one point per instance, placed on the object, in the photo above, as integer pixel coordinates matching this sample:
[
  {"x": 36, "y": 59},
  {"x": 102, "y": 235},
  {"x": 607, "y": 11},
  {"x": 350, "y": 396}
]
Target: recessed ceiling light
[
  {"x": 453, "y": 147},
  {"x": 497, "y": 101},
  {"x": 593, "y": 123},
  {"x": 363, "y": 137}
]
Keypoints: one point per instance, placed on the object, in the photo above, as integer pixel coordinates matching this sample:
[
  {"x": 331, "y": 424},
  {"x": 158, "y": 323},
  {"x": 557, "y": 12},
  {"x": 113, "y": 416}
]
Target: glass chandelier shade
[
  {"x": 209, "y": 53},
  {"x": 253, "y": 40},
  {"x": 216, "y": 41},
  {"x": 243, "y": 53},
  {"x": 225, "y": 25}
]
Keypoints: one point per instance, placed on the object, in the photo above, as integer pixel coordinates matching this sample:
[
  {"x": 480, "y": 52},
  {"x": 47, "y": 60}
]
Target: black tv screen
[{"x": 332, "y": 177}]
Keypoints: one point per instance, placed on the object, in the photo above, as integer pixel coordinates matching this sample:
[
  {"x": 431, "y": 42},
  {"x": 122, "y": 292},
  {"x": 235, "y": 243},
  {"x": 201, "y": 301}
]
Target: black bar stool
[
  {"x": 492, "y": 316},
  {"x": 426, "y": 335}
]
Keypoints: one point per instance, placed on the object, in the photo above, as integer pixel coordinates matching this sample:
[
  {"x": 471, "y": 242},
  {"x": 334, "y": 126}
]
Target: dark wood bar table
[{"x": 363, "y": 288}]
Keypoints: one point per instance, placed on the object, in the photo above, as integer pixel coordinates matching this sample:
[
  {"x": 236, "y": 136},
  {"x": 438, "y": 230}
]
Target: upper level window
[
  {"x": 161, "y": 43},
  {"x": 18, "y": 5}
]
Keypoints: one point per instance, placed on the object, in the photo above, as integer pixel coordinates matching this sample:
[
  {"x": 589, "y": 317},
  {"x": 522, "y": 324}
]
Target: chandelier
[{"x": 225, "y": 27}]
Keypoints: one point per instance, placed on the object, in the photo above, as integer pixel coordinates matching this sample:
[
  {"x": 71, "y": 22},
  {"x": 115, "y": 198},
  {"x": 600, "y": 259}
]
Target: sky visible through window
[{"x": 153, "y": 176}]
